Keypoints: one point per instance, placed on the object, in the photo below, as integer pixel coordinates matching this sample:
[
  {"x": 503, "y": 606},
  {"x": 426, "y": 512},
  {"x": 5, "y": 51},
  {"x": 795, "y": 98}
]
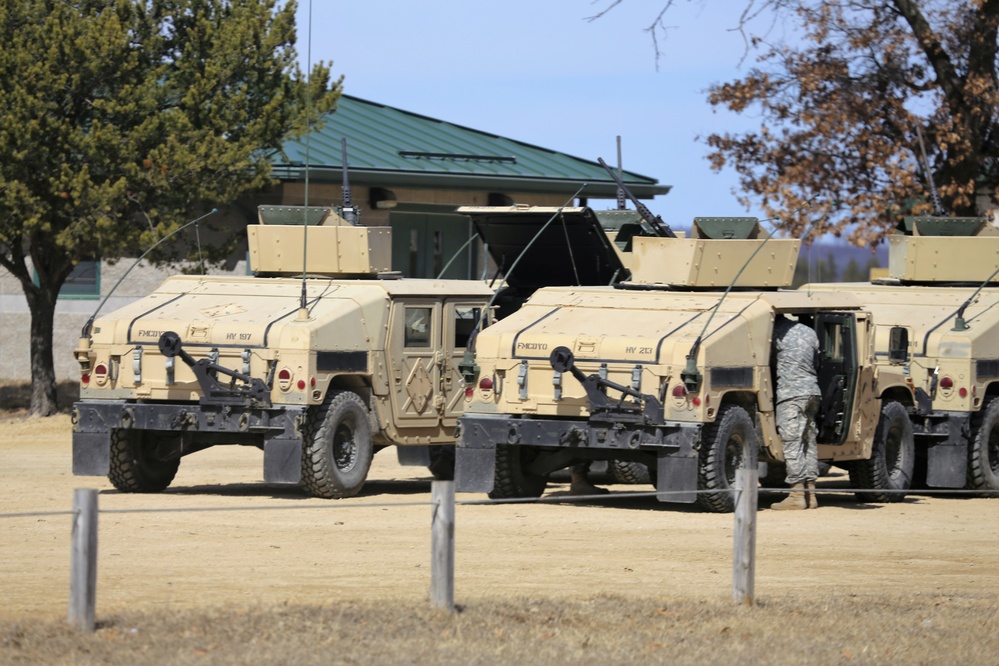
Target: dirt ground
[{"x": 220, "y": 540}]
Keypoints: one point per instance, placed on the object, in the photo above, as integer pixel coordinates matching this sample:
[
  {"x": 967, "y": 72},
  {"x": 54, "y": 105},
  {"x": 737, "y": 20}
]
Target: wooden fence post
[
  {"x": 83, "y": 563},
  {"x": 442, "y": 545},
  {"x": 744, "y": 551}
]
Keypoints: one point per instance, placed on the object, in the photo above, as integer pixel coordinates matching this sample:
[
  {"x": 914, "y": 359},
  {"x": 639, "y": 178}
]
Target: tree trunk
[{"x": 43, "y": 385}]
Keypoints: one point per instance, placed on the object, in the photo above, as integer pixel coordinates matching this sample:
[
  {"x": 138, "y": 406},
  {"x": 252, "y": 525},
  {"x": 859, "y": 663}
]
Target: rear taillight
[{"x": 284, "y": 378}]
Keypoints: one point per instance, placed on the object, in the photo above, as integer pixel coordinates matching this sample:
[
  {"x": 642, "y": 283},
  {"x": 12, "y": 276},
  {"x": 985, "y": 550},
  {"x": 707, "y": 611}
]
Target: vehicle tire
[
  {"x": 442, "y": 462},
  {"x": 776, "y": 476},
  {"x": 623, "y": 471},
  {"x": 511, "y": 479},
  {"x": 337, "y": 450},
  {"x": 138, "y": 463},
  {"x": 892, "y": 458},
  {"x": 983, "y": 452},
  {"x": 725, "y": 444}
]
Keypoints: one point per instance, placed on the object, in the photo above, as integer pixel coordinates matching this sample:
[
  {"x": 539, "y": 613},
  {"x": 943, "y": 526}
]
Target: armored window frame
[
  {"x": 465, "y": 317},
  {"x": 418, "y": 327},
  {"x": 832, "y": 343}
]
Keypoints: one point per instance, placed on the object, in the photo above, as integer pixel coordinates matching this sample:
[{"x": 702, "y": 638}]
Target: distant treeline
[{"x": 837, "y": 263}]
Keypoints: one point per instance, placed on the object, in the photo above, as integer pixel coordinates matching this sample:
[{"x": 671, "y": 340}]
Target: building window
[{"x": 84, "y": 282}]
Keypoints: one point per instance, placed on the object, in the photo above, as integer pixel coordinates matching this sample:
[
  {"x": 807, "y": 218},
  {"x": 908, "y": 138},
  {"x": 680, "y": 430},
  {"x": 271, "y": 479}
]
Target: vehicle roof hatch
[{"x": 572, "y": 250}]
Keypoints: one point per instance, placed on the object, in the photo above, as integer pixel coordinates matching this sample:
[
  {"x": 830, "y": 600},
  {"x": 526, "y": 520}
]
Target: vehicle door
[
  {"x": 841, "y": 381},
  {"x": 416, "y": 359},
  {"x": 460, "y": 318}
]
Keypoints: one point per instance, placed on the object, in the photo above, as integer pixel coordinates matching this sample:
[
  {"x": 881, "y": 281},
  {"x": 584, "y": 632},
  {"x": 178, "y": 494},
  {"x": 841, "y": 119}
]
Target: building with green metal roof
[
  {"x": 390, "y": 147},
  {"x": 410, "y": 172}
]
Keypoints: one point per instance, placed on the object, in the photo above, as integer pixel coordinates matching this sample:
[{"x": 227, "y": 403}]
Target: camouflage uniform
[{"x": 798, "y": 395}]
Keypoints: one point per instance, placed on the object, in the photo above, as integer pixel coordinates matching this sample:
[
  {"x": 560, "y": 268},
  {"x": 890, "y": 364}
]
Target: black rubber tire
[
  {"x": 511, "y": 480},
  {"x": 337, "y": 448},
  {"x": 136, "y": 466},
  {"x": 623, "y": 471},
  {"x": 776, "y": 475},
  {"x": 725, "y": 444},
  {"x": 892, "y": 460},
  {"x": 442, "y": 462},
  {"x": 983, "y": 449}
]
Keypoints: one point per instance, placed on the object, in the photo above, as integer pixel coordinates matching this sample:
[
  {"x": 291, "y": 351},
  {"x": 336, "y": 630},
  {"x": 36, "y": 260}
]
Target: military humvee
[
  {"x": 673, "y": 369},
  {"x": 937, "y": 315},
  {"x": 318, "y": 370}
]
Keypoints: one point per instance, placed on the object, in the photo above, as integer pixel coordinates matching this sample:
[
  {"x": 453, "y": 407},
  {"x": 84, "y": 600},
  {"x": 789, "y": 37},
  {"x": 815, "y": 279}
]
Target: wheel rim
[
  {"x": 993, "y": 450},
  {"x": 733, "y": 457},
  {"x": 893, "y": 451},
  {"x": 345, "y": 447},
  {"x": 147, "y": 459}
]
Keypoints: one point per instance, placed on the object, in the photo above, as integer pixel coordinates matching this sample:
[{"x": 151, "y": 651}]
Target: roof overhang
[{"x": 385, "y": 178}]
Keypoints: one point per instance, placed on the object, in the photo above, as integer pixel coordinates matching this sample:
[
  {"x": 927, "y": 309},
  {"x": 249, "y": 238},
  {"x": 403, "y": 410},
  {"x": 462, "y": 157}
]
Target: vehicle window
[
  {"x": 465, "y": 318},
  {"x": 832, "y": 341},
  {"x": 418, "y": 325}
]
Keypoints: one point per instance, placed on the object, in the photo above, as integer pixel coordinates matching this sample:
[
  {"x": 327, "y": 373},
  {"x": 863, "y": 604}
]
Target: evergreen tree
[{"x": 122, "y": 119}]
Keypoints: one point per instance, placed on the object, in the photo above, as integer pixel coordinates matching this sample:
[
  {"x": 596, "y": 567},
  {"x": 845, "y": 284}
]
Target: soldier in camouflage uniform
[{"x": 797, "y": 349}]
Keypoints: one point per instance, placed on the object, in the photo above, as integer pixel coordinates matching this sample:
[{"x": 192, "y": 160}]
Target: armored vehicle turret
[
  {"x": 937, "y": 315},
  {"x": 674, "y": 369}
]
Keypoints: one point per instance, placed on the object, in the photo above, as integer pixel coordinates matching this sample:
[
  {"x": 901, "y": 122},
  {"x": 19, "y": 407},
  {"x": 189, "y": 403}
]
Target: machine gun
[
  {"x": 658, "y": 225},
  {"x": 645, "y": 411},
  {"x": 252, "y": 390}
]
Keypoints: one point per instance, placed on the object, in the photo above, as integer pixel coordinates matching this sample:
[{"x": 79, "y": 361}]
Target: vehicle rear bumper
[
  {"x": 277, "y": 429},
  {"x": 671, "y": 447}
]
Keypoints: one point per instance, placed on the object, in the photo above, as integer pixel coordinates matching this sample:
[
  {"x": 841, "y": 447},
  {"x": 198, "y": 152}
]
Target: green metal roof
[{"x": 388, "y": 146}]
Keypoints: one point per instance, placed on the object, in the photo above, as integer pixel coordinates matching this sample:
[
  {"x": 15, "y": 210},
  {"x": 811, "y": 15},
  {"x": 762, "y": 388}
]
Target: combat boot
[
  {"x": 795, "y": 500},
  {"x": 580, "y": 485},
  {"x": 811, "y": 499}
]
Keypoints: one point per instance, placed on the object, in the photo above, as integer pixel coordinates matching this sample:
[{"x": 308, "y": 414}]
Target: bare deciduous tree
[{"x": 842, "y": 102}]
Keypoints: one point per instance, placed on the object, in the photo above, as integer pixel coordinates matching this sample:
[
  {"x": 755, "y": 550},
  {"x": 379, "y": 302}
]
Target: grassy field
[
  {"x": 636, "y": 582},
  {"x": 882, "y": 629}
]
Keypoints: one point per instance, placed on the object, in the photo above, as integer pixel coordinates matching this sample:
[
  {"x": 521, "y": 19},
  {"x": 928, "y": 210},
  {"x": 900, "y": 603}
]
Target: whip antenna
[
  {"x": 938, "y": 208},
  {"x": 620, "y": 174},
  {"x": 303, "y": 302},
  {"x": 349, "y": 211}
]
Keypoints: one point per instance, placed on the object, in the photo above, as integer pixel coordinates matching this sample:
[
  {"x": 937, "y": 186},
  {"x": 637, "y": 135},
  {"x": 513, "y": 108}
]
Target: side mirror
[{"x": 898, "y": 345}]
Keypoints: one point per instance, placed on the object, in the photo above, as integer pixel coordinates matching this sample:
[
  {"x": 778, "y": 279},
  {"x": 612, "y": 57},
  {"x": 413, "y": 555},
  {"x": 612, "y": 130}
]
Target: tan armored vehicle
[
  {"x": 672, "y": 369},
  {"x": 318, "y": 371},
  {"x": 937, "y": 315}
]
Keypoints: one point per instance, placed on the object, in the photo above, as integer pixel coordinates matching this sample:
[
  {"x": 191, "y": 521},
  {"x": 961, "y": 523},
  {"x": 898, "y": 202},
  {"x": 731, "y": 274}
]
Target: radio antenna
[
  {"x": 620, "y": 174},
  {"x": 349, "y": 211},
  {"x": 468, "y": 368},
  {"x": 85, "y": 333},
  {"x": 691, "y": 376},
  {"x": 303, "y": 312},
  {"x": 938, "y": 209}
]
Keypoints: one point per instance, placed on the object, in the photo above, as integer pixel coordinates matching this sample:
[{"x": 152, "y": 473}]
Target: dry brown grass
[
  {"x": 890, "y": 594},
  {"x": 845, "y": 629}
]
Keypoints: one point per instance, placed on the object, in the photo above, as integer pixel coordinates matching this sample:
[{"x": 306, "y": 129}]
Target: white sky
[{"x": 537, "y": 71}]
